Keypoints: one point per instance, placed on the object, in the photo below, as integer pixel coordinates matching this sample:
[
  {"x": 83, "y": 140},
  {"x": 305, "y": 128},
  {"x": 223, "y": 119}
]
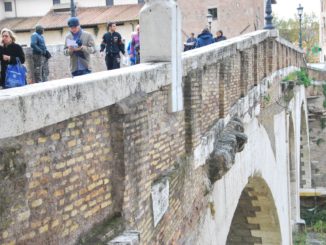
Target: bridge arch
[{"x": 255, "y": 220}]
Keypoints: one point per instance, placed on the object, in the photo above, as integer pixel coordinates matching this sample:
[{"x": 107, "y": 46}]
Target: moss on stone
[{"x": 101, "y": 233}]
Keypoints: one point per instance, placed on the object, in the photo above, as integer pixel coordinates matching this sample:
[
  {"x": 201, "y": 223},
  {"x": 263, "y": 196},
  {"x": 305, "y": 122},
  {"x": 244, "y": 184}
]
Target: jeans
[
  {"x": 41, "y": 68},
  {"x": 112, "y": 61}
]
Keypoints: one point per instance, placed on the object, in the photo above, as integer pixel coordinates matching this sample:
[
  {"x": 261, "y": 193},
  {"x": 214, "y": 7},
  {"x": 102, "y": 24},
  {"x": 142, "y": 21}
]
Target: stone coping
[{"x": 36, "y": 106}]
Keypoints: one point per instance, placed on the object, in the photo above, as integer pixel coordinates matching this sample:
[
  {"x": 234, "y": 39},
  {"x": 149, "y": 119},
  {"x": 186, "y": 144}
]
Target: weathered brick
[
  {"x": 37, "y": 203},
  {"x": 55, "y": 137},
  {"x": 23, "y": 216},
  {"x": 44, "y": 228}
]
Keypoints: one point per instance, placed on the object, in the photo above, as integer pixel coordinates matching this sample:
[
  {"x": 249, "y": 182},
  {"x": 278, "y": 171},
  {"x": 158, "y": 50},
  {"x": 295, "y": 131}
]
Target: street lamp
[
  {"x": 209, "y": 17},
  {"x": 300, "y": 12},
  {"x": 268, "y": 16},
  {"x": 72, "y": 8}
]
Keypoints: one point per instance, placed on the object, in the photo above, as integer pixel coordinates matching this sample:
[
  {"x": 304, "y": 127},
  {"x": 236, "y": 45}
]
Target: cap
[
  {"x": 73, "y": 21},
  {"x": 39, "y": 28}
]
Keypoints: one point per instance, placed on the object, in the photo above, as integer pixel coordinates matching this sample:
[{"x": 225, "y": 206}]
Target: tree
[{"x": 289, "y": 29}]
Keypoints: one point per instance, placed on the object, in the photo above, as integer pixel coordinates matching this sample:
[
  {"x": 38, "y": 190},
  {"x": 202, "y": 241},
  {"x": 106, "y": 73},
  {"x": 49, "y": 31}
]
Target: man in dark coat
[
  {"x": 219, "y": 36},
  {"x": 112, "y": 43},
  {"x": 204, "y": 38},
  {"x": 40, "y": 55}
]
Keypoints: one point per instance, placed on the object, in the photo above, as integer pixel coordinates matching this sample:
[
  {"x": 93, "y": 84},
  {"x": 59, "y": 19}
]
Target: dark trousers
[
  {"x": 112, "y": 61},
  {"x": 80, "y": 72}
]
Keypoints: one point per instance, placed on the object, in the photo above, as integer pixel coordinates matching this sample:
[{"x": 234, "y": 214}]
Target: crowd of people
[
  {"x": 203, "y": 39},
  {"x": 79, "y": 45}
]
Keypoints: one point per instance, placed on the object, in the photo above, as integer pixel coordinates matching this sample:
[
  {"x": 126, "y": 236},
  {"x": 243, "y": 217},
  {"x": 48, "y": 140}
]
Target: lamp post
[
  {"x": 268, "y": 16},
  {"x": 209, "y": 17},
  {"x": 72, "y": 8},
  {"x": 300, "y": 12}
]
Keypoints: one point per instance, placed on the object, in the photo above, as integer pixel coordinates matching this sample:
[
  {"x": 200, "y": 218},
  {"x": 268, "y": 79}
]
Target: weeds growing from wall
[
  {"x": 301, "y": 77},
  {"x": 299, "y": 238}
]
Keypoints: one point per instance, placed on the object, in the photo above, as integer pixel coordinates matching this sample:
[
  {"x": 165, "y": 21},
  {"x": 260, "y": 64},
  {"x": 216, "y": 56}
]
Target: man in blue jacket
[
  {"x": 40, "y": 55},
  {"x": 204, "y": 38}
]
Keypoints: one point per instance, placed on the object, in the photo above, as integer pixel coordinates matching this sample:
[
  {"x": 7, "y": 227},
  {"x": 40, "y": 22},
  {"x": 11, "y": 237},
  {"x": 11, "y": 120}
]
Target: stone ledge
[
  {"x": 36, "y": 106},
  {"x": 197, "y": 58},
  {"x": 289, "y": 44}
]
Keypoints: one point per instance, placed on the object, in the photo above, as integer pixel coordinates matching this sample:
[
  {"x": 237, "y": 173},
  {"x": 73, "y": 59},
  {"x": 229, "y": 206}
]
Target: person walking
[
  {"x": 132, "y": 58},
  {"x": 112, "y": 44},
  {"x": 135, "y": 46},
  {"x": 204, "y": 38},
  {"x": 40, "y": 55},
  {"x": 219, "y": 36},
  {"x": 79, "y": 45},
  {"x": 10, "y": 51}
]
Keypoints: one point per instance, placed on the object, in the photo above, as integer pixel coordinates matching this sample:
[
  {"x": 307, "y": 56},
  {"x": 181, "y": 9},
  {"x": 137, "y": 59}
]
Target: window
[
  {"x": 109, "y": 2},
  {"x": 8, "y": 6},
  {"x": 213, "y": 12},
  {"x": 56, "y": 2},
  {"x": 141, "y": 1}
]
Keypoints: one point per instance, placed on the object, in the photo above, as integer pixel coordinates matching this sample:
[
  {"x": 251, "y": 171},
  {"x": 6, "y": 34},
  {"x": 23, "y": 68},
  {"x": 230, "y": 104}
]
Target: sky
[{"x": 286, "y": 9}]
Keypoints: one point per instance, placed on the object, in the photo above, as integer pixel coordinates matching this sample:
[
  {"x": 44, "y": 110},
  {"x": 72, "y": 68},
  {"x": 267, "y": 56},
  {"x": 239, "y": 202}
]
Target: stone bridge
[{"x": 100, "y": 159}]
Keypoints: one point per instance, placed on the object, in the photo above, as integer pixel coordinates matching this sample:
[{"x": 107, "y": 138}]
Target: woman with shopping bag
[{"x": 12, "y": 56}]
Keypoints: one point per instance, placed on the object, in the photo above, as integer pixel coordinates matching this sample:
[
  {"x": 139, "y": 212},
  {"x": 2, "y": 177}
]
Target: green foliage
[
  {"x": 291, "y": 77},
  {"x": 289, "y": 29},
  {"x": 315, "y": 217},
  {"x": 299, "y": 238},
  {"x": 267, "y": 98},
  {"x": 324, "y": 90},
  {"x": 324, "y": 93},
  {"x": 300, "y": 76},
  {"x": 303, "y": 77},
  {"x": 319, "y": 226},
  {"x": 323, "y": 123}
]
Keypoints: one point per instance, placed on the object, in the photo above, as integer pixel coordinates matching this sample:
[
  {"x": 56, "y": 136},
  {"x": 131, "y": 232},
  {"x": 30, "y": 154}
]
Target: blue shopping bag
[{"x": 15, "y": 75}]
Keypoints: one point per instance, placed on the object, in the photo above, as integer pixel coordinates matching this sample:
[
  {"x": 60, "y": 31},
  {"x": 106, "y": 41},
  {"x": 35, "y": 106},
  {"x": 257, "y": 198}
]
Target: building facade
[
  {"x": 322, "y": 27},
  {"x": 21, "y": 8},
  {"x": 233, "y": 17}
]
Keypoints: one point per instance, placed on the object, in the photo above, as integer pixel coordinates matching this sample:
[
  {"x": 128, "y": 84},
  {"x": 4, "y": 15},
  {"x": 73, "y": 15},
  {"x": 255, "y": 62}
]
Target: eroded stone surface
[{"x": 231, "y": 141}]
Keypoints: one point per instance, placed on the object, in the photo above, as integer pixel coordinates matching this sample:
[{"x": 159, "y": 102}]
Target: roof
[
  {"x": 19, "y": 24},
  {"x": 87, "y": 16}
]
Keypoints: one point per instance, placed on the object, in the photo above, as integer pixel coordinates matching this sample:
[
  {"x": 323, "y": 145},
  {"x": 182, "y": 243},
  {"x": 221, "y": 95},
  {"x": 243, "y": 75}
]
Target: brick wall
[{"x": 60, "y": 180}]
